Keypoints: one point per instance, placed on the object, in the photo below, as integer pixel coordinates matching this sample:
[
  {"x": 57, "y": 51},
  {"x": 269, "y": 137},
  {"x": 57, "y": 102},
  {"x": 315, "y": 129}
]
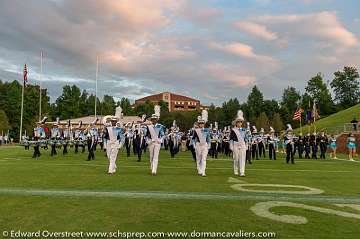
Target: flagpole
[
  {"x": 300, "y": 125},
  {"x": 22, "y": 110},
  {"x": 41, "y": 71},
  {"x": 96, "y": 81},
  {"x": 314, "y": 112}
]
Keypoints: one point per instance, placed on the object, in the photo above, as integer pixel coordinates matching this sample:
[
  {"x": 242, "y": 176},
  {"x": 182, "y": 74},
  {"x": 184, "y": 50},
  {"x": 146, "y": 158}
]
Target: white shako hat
[{"x": 239, "y": 117}]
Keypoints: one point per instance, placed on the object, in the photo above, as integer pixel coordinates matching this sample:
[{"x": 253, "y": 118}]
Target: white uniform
[
  {"x": 155, "y": 134},
  {"x": 201, "y": 139},
  {"x": 238, "y": 146},
  {"x": 113, "y": 146}
]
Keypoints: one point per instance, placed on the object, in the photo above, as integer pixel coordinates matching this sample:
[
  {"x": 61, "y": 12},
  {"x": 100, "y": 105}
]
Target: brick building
[{"x": 175, "y": 102}]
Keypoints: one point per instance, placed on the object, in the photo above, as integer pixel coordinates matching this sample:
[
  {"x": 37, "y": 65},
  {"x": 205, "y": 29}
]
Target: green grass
[
  {"x": 335, "y": 122},
  {"x": 175, "y": 200}
]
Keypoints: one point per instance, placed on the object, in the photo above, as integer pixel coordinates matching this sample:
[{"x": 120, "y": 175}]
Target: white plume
[
  {"x": 174, "y": 123},
  {"x": 157, "y": 110},
  {"x": 204, "y": 115},
  {"x": 216, "y": 125},
  {"x": 118, "y": 112},
  {"x": 289, "y": 127},
  {"x": 199, "y": 117},
  {"x": 143, "y": 118},
  {"x": 240, "y": 114},
  {"x": 272, "y": 129},
  {"x": 211, "y": 126}
]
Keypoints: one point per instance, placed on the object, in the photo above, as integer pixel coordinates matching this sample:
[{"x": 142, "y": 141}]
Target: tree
[
  {"x": 147, "y": 108},
  {"x": 68, "y": 102},
  {"x": 124, "y": 103},
  {"x": 317, "y": 90},
  {"x": 108, "y": 105},
  {"x": 4, "y": 122},
  {"x": 229, "y": 109},
  {"x": 277, "y": 123},
  {"x": 346, "y": 87},
  {"x": 262, "y": 121},
  {"x": 289, "y": 103},
  {"x": 254, "y": 103},
  {"x": 271, "y": 107}
]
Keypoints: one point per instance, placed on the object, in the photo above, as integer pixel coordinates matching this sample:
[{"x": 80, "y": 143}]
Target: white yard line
[
  {"x": 175, "y": 195},
  {"x": 175, "y": 167}
]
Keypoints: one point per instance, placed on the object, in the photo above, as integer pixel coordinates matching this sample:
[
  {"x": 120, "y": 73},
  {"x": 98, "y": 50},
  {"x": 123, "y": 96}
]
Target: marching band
[{"x": 240, "y": 141}]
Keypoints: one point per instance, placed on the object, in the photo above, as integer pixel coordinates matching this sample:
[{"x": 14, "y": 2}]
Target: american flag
[
  {"x": 25, "y": 75},
  {"x": 297, "y": 114}
]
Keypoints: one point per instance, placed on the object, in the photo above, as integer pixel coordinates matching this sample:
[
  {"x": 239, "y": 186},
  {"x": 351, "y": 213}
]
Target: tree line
[{"x": 74, "y": 103}]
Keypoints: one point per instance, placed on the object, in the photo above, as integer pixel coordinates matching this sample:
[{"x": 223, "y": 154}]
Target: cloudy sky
[{"x": 208, "y": 49}]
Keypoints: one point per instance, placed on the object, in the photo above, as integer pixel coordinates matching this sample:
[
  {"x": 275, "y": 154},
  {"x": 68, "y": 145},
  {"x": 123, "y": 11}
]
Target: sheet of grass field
[{"x": 70, "y": 194}]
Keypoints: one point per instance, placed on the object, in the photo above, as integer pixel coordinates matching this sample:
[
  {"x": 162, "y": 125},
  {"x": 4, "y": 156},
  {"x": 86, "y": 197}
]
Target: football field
[{"x": 310, "y": 199}]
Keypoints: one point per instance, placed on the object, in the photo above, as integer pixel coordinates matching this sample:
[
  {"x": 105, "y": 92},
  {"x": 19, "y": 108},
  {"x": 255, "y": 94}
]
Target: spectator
[{"x": 354, "y": 123}]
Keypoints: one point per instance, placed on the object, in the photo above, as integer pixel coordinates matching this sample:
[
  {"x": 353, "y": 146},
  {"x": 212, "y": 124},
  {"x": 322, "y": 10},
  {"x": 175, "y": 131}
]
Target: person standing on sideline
[
  {"x": 272, "y": 141},
  {"x": 351, "y": 145},
  {"x": 201, "y": 139},
  {"x": 238, "y": 139},
  {"x": 289, "y": 144},
  {"x": 323, "y": 142},
  {"x": 333, "y": 146},
  {"x": 154, "y": 137}
]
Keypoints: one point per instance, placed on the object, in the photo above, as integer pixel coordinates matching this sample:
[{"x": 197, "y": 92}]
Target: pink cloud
[
  {"x": 323, "y": 25},
  {"x": 256, "y": 30}
]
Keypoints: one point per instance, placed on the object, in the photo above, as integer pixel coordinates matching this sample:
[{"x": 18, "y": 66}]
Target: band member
[
  {"x": 351, "y": 145},
  {"x": 289, "y": 144},
  {"x": 248, "y": 143},
  {"x": 115, "y": 142},
  {"x": 261, "y": 143},
  {"x": 173, "y": 140},
  {"x": 55, "y": 137},
  {"x": 323, "y": 142},
  {"x": 190, "y": 143},
  {"x": 92, "y": 136},
  {"x": 201, "y": 139},
  {"x": 314, "y": 145},
  {"x": 225, "y": 141},
  {"x": 214, "y": 139},
  {"x": 67, "y": 137},
  {"x": 333, "y": 146},
  {"x": 39, "y": 134},
  {"x": 254, "y": 141},
  {"x": 78, "y": 137},
  {"x": 307, "y": 146},
  {"x": 139, "y": 140},
  {"x": 238, "y": 139},
  {"x": 272, "y": 142},
  {"x": 128, "y": 138},
  {"x": 300, "y": 145},
  {"x": 154, "y": 137}
]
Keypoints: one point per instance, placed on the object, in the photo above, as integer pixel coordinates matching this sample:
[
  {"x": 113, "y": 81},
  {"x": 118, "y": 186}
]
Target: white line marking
[
  {"x": 175, "y": 195},
  {"x": 209, "y": 168}
]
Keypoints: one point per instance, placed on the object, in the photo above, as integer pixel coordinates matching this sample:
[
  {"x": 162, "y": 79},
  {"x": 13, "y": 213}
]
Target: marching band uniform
[
  {"x": 225, "y": 144},
  {"x": 254, "y": 141},
  {"x": 92, "y": 140},
  {"x": 238, "y": 139},
  {"x": 272, "y": 141},
  {"x": 115, "y": 142},
  {"x": 248, "y": 143},
  {"x": 55, "y": 136},
  {"x": 67, "y": 135},
  {"x": 323, "y": 141},
  {"x": 300, "y": 146},
  {"x": 307, "y": 146},
  {"x": 214, "y": 139},
  {"x": 139, "y": 140},
  {"x": 155, "y": 134},
  {"x": 314, "y": 146},
  {"x": 190, "y": 142},
  {"x": 39, "y": 134},
  {"x": 289, "y": 144},
  {"x": 260, "y": 143},
  {"x": 201, "y": 140},
  {"x": 128, "y": 138}
]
